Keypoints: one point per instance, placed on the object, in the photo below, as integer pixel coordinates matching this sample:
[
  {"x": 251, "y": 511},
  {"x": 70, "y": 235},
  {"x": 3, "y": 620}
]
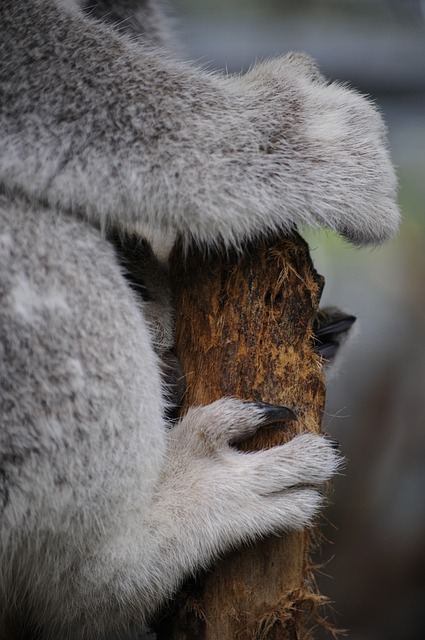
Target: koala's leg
[
  {"x": 122, "y": 133},
  {"x": 209, "y": 499}
]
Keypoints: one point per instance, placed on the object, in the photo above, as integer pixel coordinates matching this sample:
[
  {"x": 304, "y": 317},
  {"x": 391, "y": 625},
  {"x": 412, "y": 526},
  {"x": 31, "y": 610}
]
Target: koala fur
[{"x": 103, "y": 509}]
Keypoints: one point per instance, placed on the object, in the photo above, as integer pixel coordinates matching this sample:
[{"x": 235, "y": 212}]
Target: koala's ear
[{"x": 331, "y": 329}]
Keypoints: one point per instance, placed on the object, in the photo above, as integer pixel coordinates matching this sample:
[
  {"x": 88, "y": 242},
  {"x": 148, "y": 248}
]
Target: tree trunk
[{"x": 244, "y": 329}]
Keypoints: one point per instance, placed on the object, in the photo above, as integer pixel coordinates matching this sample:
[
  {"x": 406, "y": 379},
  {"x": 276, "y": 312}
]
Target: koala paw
[
  {"x": 245, "y": 495},
  {"x": 327, "y": 149}
]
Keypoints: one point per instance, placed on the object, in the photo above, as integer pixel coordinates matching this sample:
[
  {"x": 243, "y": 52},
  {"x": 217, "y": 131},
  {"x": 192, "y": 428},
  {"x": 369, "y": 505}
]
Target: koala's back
[{"x": 80, "y": 395}]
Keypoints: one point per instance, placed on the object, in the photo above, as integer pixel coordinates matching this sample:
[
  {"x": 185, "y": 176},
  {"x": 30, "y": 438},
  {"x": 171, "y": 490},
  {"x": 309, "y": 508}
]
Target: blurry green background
[{"x": 376, "y": 405}]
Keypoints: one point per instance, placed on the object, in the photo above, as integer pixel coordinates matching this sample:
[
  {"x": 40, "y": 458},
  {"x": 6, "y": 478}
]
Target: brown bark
[{"x": 244, "y": 327}]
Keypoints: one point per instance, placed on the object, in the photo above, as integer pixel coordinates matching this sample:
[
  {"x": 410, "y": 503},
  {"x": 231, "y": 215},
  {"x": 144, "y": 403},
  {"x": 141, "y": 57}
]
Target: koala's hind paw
[
  {"x": 232, "y": 496},
  {"x": 211, "y": 430}
]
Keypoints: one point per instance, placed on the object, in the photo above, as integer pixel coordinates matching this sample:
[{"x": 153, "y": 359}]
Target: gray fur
[{"x": 103, "y": 511}]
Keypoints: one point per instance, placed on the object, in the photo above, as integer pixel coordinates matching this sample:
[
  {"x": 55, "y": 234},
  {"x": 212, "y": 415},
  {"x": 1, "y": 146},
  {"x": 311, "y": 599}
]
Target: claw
[
  {"x": 335, "y": 444},
  {"x": 274, "y": 413},
  {"x": 331, "y": 328}
]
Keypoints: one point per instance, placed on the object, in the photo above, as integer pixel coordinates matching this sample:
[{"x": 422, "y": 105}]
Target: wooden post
[{"x": 244, "y": 328}]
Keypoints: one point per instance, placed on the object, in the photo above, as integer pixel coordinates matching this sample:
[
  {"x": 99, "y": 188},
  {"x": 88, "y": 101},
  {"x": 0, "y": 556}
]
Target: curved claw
[{"x": 275, "y": 413}]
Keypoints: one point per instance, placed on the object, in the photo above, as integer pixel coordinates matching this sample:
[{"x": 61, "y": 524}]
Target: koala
[{"x": 105, "y": 135}]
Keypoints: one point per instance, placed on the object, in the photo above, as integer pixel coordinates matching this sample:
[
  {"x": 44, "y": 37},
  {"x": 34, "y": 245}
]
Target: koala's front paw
[
  {"x": 244, "y": 495},
  {"x": 330, "y": 145}
]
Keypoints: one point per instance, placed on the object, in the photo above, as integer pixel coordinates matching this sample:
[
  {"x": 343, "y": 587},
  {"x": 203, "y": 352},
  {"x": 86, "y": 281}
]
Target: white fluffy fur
[{"x": 104, "y": 512}]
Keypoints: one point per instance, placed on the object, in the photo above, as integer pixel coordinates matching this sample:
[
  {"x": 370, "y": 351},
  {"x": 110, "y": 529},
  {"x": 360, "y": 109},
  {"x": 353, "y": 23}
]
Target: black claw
[
  {"x": 335, "y": 444},
  {"x": 275, "y": 413},
  {"x": 331, "y": 328}
]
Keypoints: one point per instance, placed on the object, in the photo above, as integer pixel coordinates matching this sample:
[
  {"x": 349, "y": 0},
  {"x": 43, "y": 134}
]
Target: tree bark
[{"x": 244, "y": 329}]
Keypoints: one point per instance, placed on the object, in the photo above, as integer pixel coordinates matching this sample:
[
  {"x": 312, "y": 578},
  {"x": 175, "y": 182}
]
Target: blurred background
[{"x": 376, "y": 405}]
